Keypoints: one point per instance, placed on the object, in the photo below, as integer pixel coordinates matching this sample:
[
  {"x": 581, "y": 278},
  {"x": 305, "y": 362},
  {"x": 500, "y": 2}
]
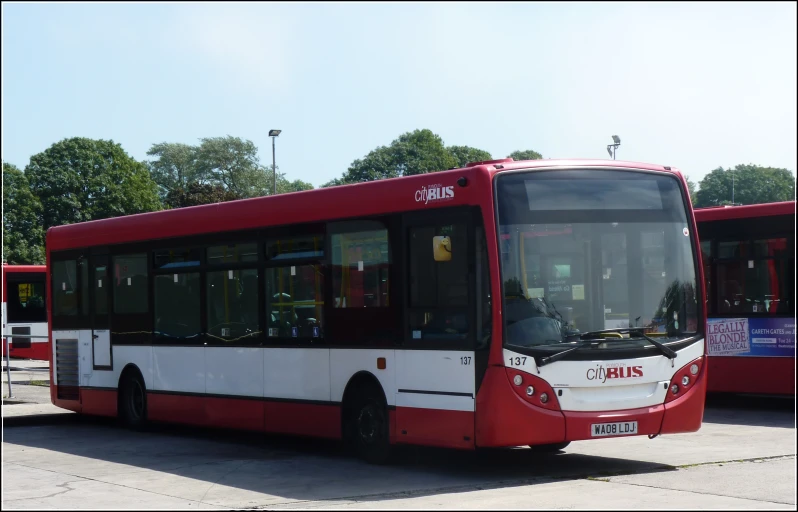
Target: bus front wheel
[{"x": 368, "y": 428}]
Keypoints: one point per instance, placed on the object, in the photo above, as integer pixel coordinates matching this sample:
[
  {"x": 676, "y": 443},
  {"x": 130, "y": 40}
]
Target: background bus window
[
  {"x": 295, "y": 301},
  {"x": 439, "y": 289},
  {"x": 755, "y": 277},
  {"x": 361, "y": 265},
  {"x": 232, "y": 305},
  {"x": 66, "y": 294},
  {"x": 177, "y": 306},
  {"x": 130, "y": 284},
  {"x": 25, "y": 301}
]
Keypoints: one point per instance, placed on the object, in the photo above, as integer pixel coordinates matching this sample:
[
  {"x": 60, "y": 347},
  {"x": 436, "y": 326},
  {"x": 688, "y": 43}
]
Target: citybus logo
[
  {"x": 614, "y": 371},
  {"x": 434, "y": 193}
]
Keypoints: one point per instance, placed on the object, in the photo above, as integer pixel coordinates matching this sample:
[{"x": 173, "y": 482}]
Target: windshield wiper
[
  {"x": 543, "y": 361},
  {"x": 666, "y": 351}
]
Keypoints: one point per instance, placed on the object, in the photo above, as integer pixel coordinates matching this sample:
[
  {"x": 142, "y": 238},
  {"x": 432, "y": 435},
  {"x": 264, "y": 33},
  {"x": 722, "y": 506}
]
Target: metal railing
[{"x": 6, "y": 337}]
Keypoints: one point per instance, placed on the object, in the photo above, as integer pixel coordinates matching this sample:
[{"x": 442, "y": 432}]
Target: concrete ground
[{"x": 743, "y": 457}]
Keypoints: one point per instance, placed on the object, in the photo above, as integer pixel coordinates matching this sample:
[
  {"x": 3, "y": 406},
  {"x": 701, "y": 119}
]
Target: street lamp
[
  {"x": 273, "y": 134},
  {"x": 612, "y": 148}
]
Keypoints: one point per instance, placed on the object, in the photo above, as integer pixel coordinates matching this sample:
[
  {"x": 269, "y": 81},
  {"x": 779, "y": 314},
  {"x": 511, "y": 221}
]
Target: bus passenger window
[
  {"x": 232, "y": 305},
  {"x": 361, "y": 265},
  {"x": 294, "y": 302}
]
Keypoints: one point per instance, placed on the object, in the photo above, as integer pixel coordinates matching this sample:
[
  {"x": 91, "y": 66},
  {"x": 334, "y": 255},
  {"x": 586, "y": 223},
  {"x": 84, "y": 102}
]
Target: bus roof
[
  {"x": 340, "y": 202},
  {"x": 713, "y": 213}
]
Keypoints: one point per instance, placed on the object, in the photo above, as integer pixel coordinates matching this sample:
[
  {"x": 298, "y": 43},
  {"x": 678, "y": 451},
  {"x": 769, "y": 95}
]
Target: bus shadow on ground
[
  {"x": 750, "y": 410},
  {"x": 244, "y": 469}
]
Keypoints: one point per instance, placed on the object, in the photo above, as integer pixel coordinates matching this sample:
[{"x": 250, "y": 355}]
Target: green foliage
[
  {"x": 23, "y": 236},
  {"x": 691, "y": 189},
  {"x": 81, "y": 179},
  {"x": 233, "y": 163},
  {"x": 465, "y": 154},
  {"x": 525, "y": 155},
  {"x": 752, "y": 185},
  {"x": 175, "y": 167},
  {"x": 195, "y": 194},
  {"x": 284, "y": 186},
  {"x": 417, "y": 152}
]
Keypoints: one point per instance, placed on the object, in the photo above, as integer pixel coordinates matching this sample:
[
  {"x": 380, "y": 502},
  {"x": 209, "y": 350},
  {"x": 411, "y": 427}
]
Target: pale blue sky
[{"x": 695, "y": 86}]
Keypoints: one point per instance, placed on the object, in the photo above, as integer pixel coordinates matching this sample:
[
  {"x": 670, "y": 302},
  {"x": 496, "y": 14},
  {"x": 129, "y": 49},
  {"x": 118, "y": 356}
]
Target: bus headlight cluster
[
  {"x": 518, "y": 380},
  {"x": 685, "y": 380}
]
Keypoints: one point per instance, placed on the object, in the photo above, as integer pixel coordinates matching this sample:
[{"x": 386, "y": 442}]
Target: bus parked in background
[
  {"x": 749, "y": 267},
  {"x": 502, "y": 304},
  {"x": 24, "y": 313}
]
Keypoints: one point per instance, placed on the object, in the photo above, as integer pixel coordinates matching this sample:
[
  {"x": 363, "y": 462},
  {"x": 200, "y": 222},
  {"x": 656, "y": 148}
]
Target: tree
[
  {"x": 691, "y": 189},
  {"x": 525, "y": 155},
  {"x": 195, "y": 194},
  {"x": 284, "y": 186},
  {"x": 23, "y": 236},
  {"x": 81, "y": 179},
  {"x": 465, "y": 154},
  {"x": 233, "y": 163},
  {"x": 175, "y": 167},
  {"x": 417, "y": 152},
  {"x": 752, "y": 185}
]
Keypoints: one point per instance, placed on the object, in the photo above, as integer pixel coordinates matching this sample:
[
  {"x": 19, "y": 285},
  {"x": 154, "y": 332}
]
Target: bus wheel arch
[
  {"x": 132, "y": 398},
  {"x": 365, "y": 421}
]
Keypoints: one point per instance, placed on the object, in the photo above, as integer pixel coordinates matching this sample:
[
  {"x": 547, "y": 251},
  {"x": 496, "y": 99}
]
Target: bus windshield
[{"x": 588, "y": 250}]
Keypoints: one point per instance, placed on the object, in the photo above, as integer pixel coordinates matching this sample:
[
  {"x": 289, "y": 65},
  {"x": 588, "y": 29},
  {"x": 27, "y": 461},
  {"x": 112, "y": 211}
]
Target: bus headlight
[
  {"x": 518, "y": 380},
  {"x": 675, "y": 389},
  {"x": 685, "y": 381},
  {"x": 694, "y": 369},
  {"x": 544, "y": 397},
  {"x": 530, "y": 391}
]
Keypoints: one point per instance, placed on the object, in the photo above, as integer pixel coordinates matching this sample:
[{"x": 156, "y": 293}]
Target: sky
[{"x": 691, "y": 85}]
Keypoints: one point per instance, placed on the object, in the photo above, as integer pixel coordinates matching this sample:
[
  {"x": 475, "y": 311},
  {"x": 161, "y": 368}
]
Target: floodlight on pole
[
  {"x": 273, "y": 134},
  {"x": 612, "y": 148}
]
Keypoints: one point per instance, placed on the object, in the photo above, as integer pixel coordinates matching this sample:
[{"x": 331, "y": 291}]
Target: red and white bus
[
  {"x": 24, "y": 311},
  {"x": 502, "y": 304},
  {"x": 749, "y": 267}
]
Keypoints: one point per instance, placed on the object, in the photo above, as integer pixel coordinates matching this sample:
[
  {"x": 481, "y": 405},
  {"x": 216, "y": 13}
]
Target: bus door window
[{"x": 438, "y": 282}]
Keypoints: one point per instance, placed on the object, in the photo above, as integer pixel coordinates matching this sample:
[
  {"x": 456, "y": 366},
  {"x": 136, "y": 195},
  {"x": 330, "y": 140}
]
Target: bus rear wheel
[
  {"x": 549, "y": 448},
  {"x": 368, "y": 428},
  {"x": 133, "y": 402}
]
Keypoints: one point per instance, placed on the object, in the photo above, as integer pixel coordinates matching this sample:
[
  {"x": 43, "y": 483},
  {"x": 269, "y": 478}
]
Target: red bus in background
[
  {"x": 502, "y": 304},
  {"x": 24, "y": 310},
  {"x": 749, "y": 267}
]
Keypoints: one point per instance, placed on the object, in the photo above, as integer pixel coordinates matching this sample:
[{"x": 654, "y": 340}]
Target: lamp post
[
  {"x": 612, "y": 148},
  {"x": 273, "y": 134}
]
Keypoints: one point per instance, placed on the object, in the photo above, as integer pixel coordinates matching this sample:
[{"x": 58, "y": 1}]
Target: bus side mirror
[{"x": 442, "y": 248}]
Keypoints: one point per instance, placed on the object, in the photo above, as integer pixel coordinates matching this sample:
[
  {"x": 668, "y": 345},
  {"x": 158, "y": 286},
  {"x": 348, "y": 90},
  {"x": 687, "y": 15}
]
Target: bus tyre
[
  {"x": 549, "y": 448},
  {"x": 133, "y": 402},
  {"x": 369, "y": 428}
]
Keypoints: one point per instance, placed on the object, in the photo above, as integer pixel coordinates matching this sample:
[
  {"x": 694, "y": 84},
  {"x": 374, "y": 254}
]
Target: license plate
[{"x": 622, "y": 428}]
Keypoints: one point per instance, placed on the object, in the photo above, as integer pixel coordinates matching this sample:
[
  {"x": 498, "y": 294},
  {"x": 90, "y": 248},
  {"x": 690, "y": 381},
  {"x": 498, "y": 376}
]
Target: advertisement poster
[{"x": 769, "y": 337}]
